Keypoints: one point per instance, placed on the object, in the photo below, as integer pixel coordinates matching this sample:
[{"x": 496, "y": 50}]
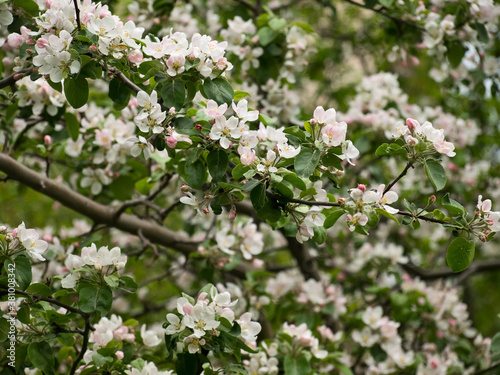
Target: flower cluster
[
  {"x": 381, "y": 103},
  {"x": 22, "y": 239},
  {"x": 204, "y": 320}
]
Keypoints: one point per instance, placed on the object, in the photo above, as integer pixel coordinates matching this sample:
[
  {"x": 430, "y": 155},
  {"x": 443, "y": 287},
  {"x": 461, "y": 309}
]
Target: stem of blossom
[
  {"x": 401, "y": 175},
  {"x": 77, "y": 13}
]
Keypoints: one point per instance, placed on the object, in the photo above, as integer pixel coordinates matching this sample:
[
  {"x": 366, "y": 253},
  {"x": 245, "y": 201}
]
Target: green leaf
[
  {"x": 23, "y": 314},
  {"x": 94, "y": 298},
  {"x": 22, "y": 271},
  {"x": 387, "y": 214},
  {"x": 460, "y": 254},
  {"x": 39, "y": 289},
  {"x": 41, "y": 356},
  {"x": 219, "y": 90},
  {"x": 306, "y": 161},
  {"x": 239, "y": 171},
  {"x": 173, "y": 94},
  {"x": 143, "y": 186},
  {"x": 187, "y": 364},
  {"x": 184, "y": 125},
  {"x": 296, "y": 366},
  {"x": 482, "y": 32},
  {"x": 258, "y": 196},
  {"x": 128, "y": 282},
  {"x": 295, "y": 181},
  {"x": 295, "y": 131},
  {"x": 495, "y": 344},
  {"x": 196, "y": 174},
  {"x": 76, "y": 90},
  {"x": 217, "y": 161},
  {"x": 73, "y": 125},
  {"x": 4, "y": 329},
  {"x": 436, "y": 174},
  {"x": 250, "y": 185},
  {"x": 119, "y": 92},
  {"x": 238, "y": 95},
  {"x": 266, "y": 35},
  {"x": 382, "y": 149},
  {"x": 453, "y": 207},
  {"x": 386, "y": 3},
  {"x": 29, "y": 6},
  {"x": 455, "y": 53},
  {"x": 284, "y": 189},
  {"x": 332, "y": 218}
]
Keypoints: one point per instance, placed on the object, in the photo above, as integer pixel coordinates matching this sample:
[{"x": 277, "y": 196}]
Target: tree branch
[
  {"x": 97, "y": 212},
  {"x": 10, "y": 80}
]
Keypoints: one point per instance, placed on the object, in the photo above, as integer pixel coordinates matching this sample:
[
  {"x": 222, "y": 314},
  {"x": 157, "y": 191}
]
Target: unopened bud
[
  {"x": 483, "y": 238},
  {"x": 411, "y": 123},
  {"x": 47, "y": 140},
  {"x": 30, "y": 42},
  {"x": 29, "y": 51},
  {"x": 361, "y": 187},
  {"x": 171, "y": 141},
  {"x": 92, "y": 48},
  {"x": 47, "y": 237},
  {"x": 41, "y": 43},
  {"x": 432, "y": 199},
  {"x": 185, "y": 188},
  {"x": 198, "y": 127},
  {"x": 119, "y": 354},
  {"x": 14, "y": 232},
  {"x": 171, "y": 111},
  {"x": 18, "y": 76},
  {"x": 206, "y": 210},
  {"x": 313, "y": 121},
  {"x": 208, "y": 196},
  {"x": 212, "y": 121},
  {"x": 341, "y": 201},
  {"x": 232, "y": 215}
]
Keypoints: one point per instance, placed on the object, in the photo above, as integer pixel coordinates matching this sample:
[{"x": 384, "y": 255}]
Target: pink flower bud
[
  {"x": 313, "y": 121},
  {"x": 15, "y": 40},
  {"x": 92, "y": 48},
  {"x": 206, "y": 210},
  {"x": 258, "y": 263},
  {"x": 341, "y": 201},
  {"x": 30, "y": 42},
  {"x": 135, "y": 56},
  {"x": 412, "y": 124},
  {"x": 361, "y": 187},
  {"x": 432, "y": 198},
  {"x": 171, "y": 111},
  {"x": 198, "y": 127},
  {"x": 171, "y": 141},
  {"x": 18, "y": 76},
  {"x": 232, "y": 215},
  {"x": 185, "y": 188},
  {"x": 14, "y": 232},
  {"x": 47, "y": 140},
  {"x": 255, "y": 39},
  {"x": 47, "y": 237},
  {"x": 119, "y": 354},
  {"x": 187, "y": 308}
]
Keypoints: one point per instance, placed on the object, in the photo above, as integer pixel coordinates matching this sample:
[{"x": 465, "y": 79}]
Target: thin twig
[
  {"x": 397, "y": 21},
  {"x": 169, "y": 209},
  {"x": 10, "y": 80},
  {"x": 401, "y": 175},
  {"x": 77, "y": 12},
  {"x": 85, "y": 343}
]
